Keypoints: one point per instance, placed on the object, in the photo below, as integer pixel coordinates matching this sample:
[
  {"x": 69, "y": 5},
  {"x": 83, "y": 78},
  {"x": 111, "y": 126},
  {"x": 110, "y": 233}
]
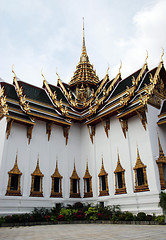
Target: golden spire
[{"x": 83, "y": 46}]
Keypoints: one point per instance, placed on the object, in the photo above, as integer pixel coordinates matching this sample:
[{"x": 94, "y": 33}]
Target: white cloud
[
  {"x": 48, "y": 34},
  {"x": 149, "y": 35}
]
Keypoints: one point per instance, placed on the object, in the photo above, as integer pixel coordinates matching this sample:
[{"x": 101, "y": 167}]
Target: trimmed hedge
[{"x": 80, "y": 212}]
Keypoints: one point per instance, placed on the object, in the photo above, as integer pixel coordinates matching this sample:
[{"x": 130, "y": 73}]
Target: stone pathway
[{"x": 85, "y": 232}]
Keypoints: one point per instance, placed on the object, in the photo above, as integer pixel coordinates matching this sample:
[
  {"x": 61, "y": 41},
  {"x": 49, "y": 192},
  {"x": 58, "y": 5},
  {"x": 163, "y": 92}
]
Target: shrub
[
  {"x": 129, "y": 216},
  {"x": 38, "y": 214},
  {"x": 60, "y": 217},
  {"x": 78, "y": 205},
  {"x": 2, "y": 220},
  {"x": 149, "y": 217},
  {"x": 160, "y": 219},
  {"x": 67, "y": 213},
  {"x": 92, "y": 213},
  {"x": 53, "y": 219},
  {"x": 141, "y": 216},
  {"x": 162, "y": 202}
]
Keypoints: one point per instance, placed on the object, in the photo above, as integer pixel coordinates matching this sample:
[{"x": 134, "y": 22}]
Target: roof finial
[
  {"x": 120, "y": 66},
  {"x": 42, "y": 74},
  {"x": 162, "y": 55},
  {"x": 146, "y": 57},
  {"x": 108, "y": 68},
  {"x": 13, "y": 71},
  {"x": 83, "y": 46}
]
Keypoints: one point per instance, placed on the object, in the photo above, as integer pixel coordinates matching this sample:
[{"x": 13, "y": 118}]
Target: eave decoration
[
  {"x": 29, "y": 133},
  {"x": 106, "y": 126},
  {"x": 91, "y": 130},
  {"x": 8, "y": 127}
]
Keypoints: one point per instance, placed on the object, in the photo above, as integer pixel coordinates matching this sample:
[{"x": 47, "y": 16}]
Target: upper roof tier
[{"x": 84, "y": 70}]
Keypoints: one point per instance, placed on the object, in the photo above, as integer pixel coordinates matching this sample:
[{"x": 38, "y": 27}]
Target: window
[
  {"x": 56, "y": 185},
  {"x": 161, "y": 162},
  {"x": 56, "y": 189},
  {"x": 103, "y": 182},
  {"x": 74, "y": 184},
  {"x": 119, "y": 180},
  {"x": 36, "y": 187},
  {"x": 87, "y": 183},
  {"x": 14, "y": 182},
  {"x": 13, "y": 188},
  {"x": 140, "y": 177},
  {"x": 37, "y": 182},
  {"x": 120, "y": 186},
  {"x": 141, "y": 183}
]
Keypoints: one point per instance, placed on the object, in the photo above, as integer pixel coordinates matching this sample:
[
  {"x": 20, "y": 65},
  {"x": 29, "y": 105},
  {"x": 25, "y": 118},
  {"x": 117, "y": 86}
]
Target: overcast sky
[{"x": 36, "y": 34}]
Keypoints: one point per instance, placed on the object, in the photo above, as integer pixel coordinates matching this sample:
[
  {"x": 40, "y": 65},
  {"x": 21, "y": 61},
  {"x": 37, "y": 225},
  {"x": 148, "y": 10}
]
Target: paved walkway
[{"x": 85, "y": 232}]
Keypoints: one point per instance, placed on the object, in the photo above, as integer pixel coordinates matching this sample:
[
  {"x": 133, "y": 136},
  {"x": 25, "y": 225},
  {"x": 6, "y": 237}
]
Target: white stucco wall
[{"x": 80, "y": 149}]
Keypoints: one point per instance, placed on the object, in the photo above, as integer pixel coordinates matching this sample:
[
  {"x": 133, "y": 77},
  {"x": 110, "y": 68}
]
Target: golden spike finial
[
  {"x": 16, "y": 157},
  {"x": 57, "y": 74},
  {"x": 162, "y": 55},
  {"x": 120, "y": 66},
  {"x": 42, "y": 74},
  {"x": 146, "y": 57},
  {"x": 38, "y": 159},
  {"x": 108, "y": 68},
  {"x": 13, "y": 71}
]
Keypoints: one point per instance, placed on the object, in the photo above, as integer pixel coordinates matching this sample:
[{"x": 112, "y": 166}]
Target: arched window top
[
  {"x": 37, "y": 171},
  {"x": 56, "y": 173},
  {"x": 102, "y": 171},
  {"x": 119, "y": 166},
  {"x": 74, "y": 174},
  {"x": 15, "y": 169},
  {"x": 139, "y": 163},
  {"x": 87, "y": 174}
]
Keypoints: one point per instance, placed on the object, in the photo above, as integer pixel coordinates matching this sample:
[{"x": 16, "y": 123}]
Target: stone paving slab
[{"x": 85, "y": 232}]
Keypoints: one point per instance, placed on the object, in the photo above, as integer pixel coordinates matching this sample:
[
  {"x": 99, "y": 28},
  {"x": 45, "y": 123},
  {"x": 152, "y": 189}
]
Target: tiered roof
[{"x": 85, "y": 99}]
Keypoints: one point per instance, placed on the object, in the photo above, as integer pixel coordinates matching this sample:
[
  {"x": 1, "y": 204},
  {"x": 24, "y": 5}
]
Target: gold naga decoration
[
  {"x": 3, "y": 104},
  {"x": 22, "y": 97},
  {"x": 53, "y": 95}
]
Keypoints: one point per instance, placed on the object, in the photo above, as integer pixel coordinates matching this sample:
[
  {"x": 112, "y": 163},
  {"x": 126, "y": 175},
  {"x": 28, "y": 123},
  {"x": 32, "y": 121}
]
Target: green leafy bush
[
  {"x": 141, "y": 216},
  {"x": 160, "y": 219},
  {"x": 162, "y": 202}
]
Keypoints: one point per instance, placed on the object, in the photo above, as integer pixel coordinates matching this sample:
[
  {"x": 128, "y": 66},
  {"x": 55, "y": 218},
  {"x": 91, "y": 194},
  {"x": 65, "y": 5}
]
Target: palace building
[{"x": 90, "y": 141}]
